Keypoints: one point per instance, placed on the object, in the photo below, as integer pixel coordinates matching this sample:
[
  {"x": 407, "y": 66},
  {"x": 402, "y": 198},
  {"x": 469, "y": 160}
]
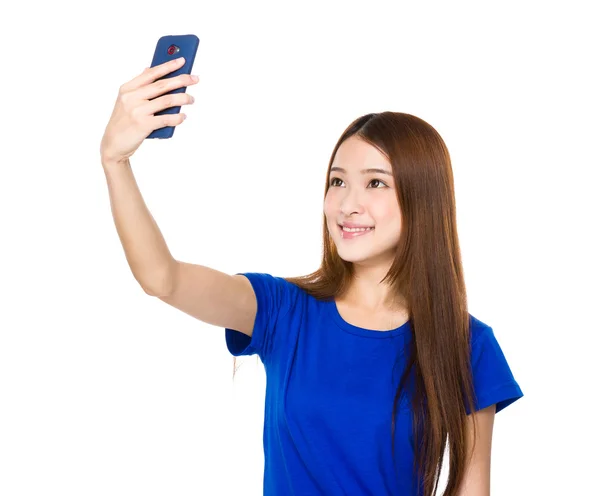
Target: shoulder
[
  {"x": 478, "y": 329},
  {"x": 269, "y": 281},
  {"x": 277, "y": 291}
]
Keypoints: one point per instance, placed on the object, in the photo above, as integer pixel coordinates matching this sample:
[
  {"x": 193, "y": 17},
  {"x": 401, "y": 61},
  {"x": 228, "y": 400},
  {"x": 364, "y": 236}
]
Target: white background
[{"x": 106, "y": 390}]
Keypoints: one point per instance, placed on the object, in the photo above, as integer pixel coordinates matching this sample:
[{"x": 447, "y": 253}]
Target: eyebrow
[{"x": 364, "y": 171}]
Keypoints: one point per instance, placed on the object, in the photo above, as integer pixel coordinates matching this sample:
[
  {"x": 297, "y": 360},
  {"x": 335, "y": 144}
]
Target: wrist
[{"x": 109, "y": 163}]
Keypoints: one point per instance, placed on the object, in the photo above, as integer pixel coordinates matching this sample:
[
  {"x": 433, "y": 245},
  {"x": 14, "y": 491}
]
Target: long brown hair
[{"x": 427, "y": 273}]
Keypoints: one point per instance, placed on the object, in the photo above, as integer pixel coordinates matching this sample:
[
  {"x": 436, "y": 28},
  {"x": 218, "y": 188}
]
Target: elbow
[
  {"x": 162, "y": 285},
  {"x": 157, "y": 293}
]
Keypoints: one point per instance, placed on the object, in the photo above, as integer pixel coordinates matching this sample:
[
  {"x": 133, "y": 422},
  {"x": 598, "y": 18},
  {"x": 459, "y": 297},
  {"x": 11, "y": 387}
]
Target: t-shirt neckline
[{"x": 361, "y": 331}]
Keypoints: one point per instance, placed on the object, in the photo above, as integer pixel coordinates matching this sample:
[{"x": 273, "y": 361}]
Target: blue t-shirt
[{"x": 330, "y": 387}]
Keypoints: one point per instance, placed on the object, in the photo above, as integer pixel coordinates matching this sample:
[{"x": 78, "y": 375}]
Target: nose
[{"x": 351, "y": 202}]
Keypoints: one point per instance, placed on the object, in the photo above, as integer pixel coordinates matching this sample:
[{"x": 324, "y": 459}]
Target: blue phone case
[{"x": 168, "y": 48}]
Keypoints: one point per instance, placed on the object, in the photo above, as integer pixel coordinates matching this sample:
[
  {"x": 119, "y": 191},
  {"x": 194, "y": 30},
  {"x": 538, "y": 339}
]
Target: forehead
[{"x": 354, "y": 154}]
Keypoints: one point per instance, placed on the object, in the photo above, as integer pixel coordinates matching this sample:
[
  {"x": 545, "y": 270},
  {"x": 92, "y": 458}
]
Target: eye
[
  {"x": 377, "y": 180},
  {"x": 331, "y": 182}
]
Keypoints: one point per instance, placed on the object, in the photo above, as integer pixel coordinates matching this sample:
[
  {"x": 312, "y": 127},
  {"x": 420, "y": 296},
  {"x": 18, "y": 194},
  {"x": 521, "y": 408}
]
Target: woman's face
[{"x": 368, "y": 199}]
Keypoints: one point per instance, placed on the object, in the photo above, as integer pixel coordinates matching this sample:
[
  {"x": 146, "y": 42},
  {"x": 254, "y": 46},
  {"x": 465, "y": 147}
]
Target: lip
[
  {"x": 352, "y": 235},
  {"x": 352, "y": 225}
]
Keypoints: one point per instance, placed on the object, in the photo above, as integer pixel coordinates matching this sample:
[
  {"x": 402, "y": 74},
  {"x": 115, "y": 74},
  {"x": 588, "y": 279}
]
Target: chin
[{"x": 347, "y": 256}]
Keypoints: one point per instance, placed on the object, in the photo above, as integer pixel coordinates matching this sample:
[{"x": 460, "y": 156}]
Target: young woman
[{"x": 374, "y": 365}]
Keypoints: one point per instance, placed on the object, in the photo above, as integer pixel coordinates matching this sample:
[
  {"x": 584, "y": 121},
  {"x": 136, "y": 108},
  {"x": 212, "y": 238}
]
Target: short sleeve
[
  {"x": 493, "y": 379},
  {"x": 273, "y": 298}
]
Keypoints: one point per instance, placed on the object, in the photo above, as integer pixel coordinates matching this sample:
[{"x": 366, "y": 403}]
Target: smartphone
[{"x": 168, "y": 48}]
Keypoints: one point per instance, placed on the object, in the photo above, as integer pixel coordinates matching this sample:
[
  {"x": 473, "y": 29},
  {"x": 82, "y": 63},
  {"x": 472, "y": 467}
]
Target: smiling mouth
[
  {"x": 356, "y": 230},
  {"x": 348, "y": 235}
]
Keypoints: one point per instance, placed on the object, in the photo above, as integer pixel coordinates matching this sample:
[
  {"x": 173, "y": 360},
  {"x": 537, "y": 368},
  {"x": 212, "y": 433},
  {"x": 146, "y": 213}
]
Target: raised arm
[{"x": 204, "y": 293}]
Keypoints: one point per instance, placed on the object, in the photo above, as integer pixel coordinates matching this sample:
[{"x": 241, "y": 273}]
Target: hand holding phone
[
  {"x": 169, "y": 48},
  {"x": 145, "y": 106}
]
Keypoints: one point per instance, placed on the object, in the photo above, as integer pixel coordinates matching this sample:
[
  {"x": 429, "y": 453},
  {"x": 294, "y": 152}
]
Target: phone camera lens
[{"x": 173, "y": 49}]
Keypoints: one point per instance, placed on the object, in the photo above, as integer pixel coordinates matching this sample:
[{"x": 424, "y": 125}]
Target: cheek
[
  {"x": 389, "y": 215},
  {"x": 328, "y": 206}
]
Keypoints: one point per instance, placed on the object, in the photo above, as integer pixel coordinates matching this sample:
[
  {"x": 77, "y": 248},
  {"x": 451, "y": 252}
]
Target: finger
[
  {"x": 163, "y": 86},
  {"x": 166, "y": 101},
  {"x": 151, "y": 74},
  {"x": 167, "y": 120}
]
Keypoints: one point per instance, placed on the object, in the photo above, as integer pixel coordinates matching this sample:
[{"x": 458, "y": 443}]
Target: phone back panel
[{"x": 185, "y": 45}]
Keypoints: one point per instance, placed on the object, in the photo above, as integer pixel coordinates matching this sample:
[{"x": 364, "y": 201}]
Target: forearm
[{"x": 145, "y": 248}]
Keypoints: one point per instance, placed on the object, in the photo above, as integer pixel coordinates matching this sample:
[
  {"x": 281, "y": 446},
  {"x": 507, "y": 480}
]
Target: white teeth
[{"x": 357, "y": 229}]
